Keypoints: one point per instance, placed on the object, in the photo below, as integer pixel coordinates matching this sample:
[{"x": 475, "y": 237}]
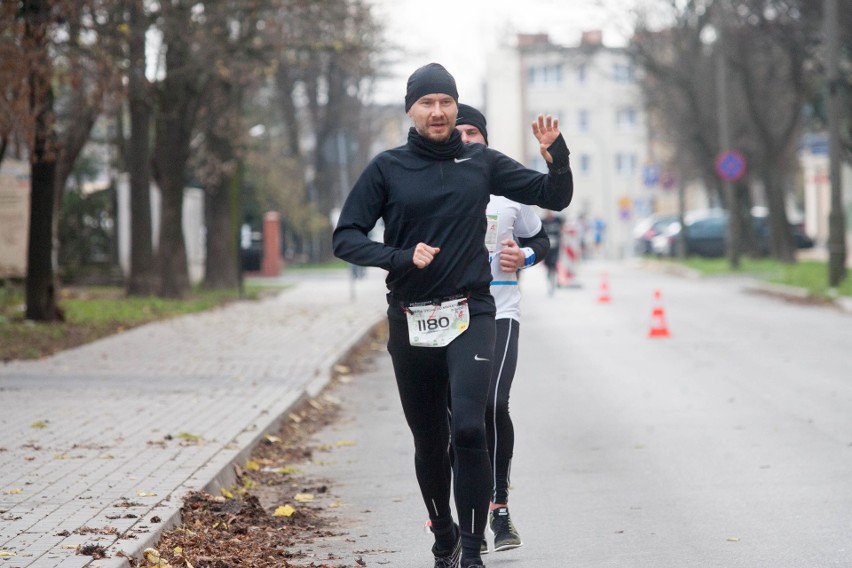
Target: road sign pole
[{"x": 724, "y": 135}]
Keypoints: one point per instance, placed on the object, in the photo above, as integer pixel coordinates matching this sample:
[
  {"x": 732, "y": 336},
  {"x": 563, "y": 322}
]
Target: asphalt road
[{"x": 727, "y": 444}]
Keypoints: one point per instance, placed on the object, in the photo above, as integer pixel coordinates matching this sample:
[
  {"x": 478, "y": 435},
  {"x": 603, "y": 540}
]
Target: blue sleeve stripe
[{"x": 529, "y": 257}]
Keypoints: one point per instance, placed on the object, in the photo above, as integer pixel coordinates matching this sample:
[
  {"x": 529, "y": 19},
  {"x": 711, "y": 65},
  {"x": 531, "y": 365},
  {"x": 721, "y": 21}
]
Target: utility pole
[
  {"x": 836, "y": 222},
  {"x": 732, "y": 231}
]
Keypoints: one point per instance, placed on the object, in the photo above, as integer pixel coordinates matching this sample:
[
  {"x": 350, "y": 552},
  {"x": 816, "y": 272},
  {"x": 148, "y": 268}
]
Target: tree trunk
[
  {"x": 178, "y": 98},
  {"x": 41, "y": 291},
  {"x": 40, "y": 288},
  {"x": 222, "y": 207},
  {"x": 222, "y": 131},
  {"x": 781, "y": 245},
  {"x": 142, "y": 280}
]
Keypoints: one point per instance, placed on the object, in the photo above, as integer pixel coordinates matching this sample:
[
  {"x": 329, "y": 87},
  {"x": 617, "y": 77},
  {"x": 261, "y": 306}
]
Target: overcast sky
[{"x": 459, "y": 33}]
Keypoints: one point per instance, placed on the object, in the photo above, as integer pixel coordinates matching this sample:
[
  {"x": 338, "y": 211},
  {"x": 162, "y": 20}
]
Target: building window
[
  {"x": 583, "y": 120},
  {"x": 626, "y": 164},
  {"x": 585, "y": 163},
  {"x": 625, "y": 117},
  {"x": 623, "y": 73},
  {"x": 545, "y": 75}
]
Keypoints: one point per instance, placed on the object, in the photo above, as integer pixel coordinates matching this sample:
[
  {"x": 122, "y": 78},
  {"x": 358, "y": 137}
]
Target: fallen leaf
[
  {"x": 341, "y": 443},
  {"x": 227, "y": 494},
  {"x": 288, "y": 470},
  {"x": 62, "y": 456},
  {"x": 284, "y": 511},
  {"x": 189, "y": 437},
  {"x": 6, "y": 554},
  {"x": 152, "y": 558},
  {"x": 295, "y": 418},
  {"x": 141, "y": 493},
  {"x": 252, "y": 465},
  {"x": 15, "y": 491},
  {"x": 342, "y": 369},
  {"x": 733, "y": 539},
  {"x": 39, "y": 424},
  {"x": 304, "y": 497},
  {"x": 272, "y": 439},
  {"x": 334, "y": 505}
]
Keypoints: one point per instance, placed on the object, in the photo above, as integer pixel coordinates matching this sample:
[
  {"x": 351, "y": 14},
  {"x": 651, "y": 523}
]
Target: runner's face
[
  {"x": 434, "y": 116},
  {"x": 470, "y": 134}
]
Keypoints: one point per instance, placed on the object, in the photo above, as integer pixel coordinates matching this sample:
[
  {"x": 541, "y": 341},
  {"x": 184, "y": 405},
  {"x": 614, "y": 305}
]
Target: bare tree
[
  {"x": 234, "y": 45},
  {"x": 677, "y": 83},
  {"x": 40, "y": 289},
  {"x": 143, "y": 278},
  {"x": 768, "y": 48},
  {"x": 178, "y": 99},
  {"x": 771, "y": 47},
  {"x": 327, "y": 57},
  {"x": 86, "y": 73}
]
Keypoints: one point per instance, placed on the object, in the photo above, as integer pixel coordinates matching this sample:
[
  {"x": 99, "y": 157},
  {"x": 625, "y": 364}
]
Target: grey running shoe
[
  {"x": 505, "y": 535},
  {"x": 452, "y": 559}
]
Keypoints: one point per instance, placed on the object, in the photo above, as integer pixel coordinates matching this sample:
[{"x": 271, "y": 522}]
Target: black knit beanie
[
  {"x": 471, "y": 116},
  {"x": 431, "y": 78}
]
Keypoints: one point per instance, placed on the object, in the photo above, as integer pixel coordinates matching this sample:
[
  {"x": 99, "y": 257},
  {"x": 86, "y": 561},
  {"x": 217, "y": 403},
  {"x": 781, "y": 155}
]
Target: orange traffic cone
[
  {"x": 603, "y": 297},
  {"x": 658, "y": 319}
]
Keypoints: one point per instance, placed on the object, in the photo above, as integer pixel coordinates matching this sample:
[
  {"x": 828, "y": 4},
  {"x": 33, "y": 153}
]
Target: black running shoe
[
  {"x": 483, "y": 547},
  {"x": 505, "y": 535},
  {"x": 452, "y": 559}
]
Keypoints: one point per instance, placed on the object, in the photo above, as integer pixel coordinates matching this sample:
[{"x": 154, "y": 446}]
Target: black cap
[
  {"x": 431, "y": 78},
  {"x": 471, "y": 116}
]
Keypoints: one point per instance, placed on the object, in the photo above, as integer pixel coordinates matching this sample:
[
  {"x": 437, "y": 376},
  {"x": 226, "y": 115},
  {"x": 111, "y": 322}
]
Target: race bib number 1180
[{"x": 436, "y": 325}]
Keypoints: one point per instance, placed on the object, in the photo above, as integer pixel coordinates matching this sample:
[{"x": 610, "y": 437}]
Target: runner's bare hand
[
  {"x": 546, "y": 131},
  {"x": 511, "y": 256},
  {"x": 423, "y": 255}
]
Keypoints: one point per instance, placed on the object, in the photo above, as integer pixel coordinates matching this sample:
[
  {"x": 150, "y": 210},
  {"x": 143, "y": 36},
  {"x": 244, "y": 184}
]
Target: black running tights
[{"x": 422, "y": 376}]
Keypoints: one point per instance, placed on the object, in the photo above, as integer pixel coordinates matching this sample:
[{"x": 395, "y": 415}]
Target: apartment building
[{"x": 593, "y": 90}]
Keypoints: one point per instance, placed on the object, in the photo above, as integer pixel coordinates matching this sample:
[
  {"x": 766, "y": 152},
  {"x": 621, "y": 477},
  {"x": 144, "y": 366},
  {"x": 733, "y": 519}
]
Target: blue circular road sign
[{"x": 730, "y": 165}]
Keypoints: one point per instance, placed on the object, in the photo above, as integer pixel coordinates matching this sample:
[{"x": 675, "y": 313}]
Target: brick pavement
[{"x": 98, "y": 444}]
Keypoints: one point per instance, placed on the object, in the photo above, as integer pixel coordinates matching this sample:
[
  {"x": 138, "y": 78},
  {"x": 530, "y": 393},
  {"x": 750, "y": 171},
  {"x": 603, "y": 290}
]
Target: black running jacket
[{"x": 440, "y": 201}]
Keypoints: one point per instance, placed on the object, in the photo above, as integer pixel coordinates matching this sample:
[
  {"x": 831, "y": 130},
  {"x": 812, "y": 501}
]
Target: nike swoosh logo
[
  {"x": 460, "y": 160},
  {"x": 478, "y": 358}
]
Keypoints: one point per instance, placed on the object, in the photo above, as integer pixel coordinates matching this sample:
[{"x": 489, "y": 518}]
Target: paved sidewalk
[{"x": 98, "y": 444}]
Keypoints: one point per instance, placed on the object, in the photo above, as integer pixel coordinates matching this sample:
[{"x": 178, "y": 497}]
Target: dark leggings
[
  {"x": 498, "y": 423},
  {"x": 422, "y": 376}
]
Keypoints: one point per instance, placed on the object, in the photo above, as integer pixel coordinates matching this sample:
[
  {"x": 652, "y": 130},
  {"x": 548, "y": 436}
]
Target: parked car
[
  {"x": 706, "y": 234},
  {"x": 760, "y": 218},
  {"x": 648, "y": 228}
]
